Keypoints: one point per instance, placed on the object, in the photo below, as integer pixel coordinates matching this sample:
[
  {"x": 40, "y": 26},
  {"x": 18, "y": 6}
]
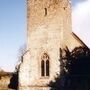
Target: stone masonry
[{"x": 49, "y": 28}]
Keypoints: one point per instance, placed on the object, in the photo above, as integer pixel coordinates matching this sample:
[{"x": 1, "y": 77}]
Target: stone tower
[{"x": 48, "y": 30}]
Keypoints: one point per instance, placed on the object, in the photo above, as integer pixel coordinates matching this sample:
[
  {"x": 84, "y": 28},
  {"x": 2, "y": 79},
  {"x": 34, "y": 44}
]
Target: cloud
[{"x": 81, "y": 21}]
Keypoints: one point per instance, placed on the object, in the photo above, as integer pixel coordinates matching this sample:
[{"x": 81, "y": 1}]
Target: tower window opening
[
  {"x": 45, "y": 65},
  {"x": 45, "y": 11},
  {"x": 42, "y": 68},
  {"x": 47, "y": 68}
]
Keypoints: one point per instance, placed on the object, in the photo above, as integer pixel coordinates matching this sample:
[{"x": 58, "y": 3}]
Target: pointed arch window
[
  {"x": 42, "y": 68},
  {"x": 45, "y": 65},
  {"x": 47, "y": 68}
]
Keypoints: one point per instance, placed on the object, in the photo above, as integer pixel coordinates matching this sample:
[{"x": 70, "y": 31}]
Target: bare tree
[
  {"x": 14, "y": 80},
  {"x": 21, "y": 53}
]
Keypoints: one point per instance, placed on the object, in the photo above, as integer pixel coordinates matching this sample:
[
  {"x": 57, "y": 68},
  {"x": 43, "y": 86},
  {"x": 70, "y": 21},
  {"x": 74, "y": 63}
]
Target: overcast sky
[{"x": 13, "y": 28}]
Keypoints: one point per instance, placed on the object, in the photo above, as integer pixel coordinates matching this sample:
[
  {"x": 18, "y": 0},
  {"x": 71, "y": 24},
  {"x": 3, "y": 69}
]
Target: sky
[
  {"x": 13, "y": 28},
  {"x": 12, "y": 31},
  {"x": 81, "y": 20}
]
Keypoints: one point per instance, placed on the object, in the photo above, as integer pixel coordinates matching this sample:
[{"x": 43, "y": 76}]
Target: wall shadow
[{"x": 14, "y": 81}]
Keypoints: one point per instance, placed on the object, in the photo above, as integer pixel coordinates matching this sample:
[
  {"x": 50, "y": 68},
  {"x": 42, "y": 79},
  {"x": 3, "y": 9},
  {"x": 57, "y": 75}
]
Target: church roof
[{"x": 79, "y": 40}]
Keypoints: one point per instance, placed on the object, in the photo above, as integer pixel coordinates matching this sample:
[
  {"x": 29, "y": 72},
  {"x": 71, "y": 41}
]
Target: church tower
[{"x": 48, "y": 30}]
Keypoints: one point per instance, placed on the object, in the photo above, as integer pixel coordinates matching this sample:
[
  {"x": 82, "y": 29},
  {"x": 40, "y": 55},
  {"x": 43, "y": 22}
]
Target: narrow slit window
[
  {"x": 42, "y": 68},
  {"x": 45, "y": 11},
  {"x": 47, "y": 68}
]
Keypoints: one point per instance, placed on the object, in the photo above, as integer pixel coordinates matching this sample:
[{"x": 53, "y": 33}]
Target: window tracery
[{"x": 45, "y": 65}]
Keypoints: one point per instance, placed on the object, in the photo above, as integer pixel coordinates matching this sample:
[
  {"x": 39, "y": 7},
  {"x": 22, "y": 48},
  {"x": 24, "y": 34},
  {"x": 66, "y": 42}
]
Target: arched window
[
  {"x": 42, "y": 68},
  {"x": 47, "y": 68},
  {"x": 45, "y": 65}
]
